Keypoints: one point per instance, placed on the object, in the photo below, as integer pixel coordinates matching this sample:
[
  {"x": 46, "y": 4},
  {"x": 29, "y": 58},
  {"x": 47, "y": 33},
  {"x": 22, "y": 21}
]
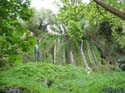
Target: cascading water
[
  {"x": 54, "y": 53},
  {"x": 84, "y": 58},
  {"x": 72, "y": 57},
  {"x": 37, "y": 51}
]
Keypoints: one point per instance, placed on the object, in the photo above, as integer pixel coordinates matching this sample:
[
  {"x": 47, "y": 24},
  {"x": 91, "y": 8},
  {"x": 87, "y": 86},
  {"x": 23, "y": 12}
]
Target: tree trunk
[{"x": 110, "y": 9}]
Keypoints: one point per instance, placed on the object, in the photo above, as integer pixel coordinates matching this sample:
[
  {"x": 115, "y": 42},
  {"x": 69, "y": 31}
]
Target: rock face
[
  {"x": 121, "y": 63},
  {"x": 122, "y": 66},
  {"x": 14, "y": 89}
]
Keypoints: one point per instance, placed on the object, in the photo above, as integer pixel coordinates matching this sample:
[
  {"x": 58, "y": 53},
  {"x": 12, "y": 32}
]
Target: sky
[{"x": 38, "y": 4}]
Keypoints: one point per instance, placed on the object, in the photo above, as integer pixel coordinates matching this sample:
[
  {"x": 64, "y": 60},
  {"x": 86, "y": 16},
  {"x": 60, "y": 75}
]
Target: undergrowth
[{"x": 49, "y": 78}]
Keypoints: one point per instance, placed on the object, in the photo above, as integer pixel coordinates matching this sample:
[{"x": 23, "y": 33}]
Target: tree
[
  {"x": 12, "y": 12},
  {"x": 39, "y": 22}
]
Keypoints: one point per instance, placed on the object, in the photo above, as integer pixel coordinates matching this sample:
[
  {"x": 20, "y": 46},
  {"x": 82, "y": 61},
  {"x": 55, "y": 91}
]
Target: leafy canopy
[{"x": 12, "y": 12}]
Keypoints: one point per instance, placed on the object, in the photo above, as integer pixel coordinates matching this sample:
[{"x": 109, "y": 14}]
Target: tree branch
[{"x": 110, "y": 9}]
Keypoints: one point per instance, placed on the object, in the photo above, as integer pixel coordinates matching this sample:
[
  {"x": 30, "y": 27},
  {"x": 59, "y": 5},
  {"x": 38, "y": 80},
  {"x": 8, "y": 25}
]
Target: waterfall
[
  {"x": 63, "y": 52},
  {"x": 54, "y": 53},
  {"x": 84, "y": 58},
  {"x": 59, "y": 52},
  {"x": 72, "y": 57},
  {"x": 37, "y": 51}
]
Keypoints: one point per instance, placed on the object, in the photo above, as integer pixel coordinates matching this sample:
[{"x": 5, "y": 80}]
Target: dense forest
[{"x": 80, "y": 49}]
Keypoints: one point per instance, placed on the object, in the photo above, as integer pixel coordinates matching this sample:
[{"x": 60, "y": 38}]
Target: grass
[{"x": 63, "y": 79}]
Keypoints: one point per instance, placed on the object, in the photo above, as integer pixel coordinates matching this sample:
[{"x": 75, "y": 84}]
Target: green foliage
[
  {"x": 92, "y": 53},
  {"x": 120, "y": 38},
  {"x": 64, "y": 79},
  {"x": 85, "y": 22},
  {"x": 71, "y": 14},
  {"x": 77, "y": 11},
  {"x": 97, "y": 13},
  {"x": 74, "y": 30},
  {"x": 33, "y": 75},
  {"x": 11, "y": 30}
]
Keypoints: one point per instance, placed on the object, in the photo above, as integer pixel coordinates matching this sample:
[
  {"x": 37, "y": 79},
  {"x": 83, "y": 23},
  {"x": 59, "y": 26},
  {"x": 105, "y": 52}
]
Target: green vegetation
[
  {"x": 64, "y": 79},
  {"x": 81, "y": 49},
  {"x": 12, "y": 12}
]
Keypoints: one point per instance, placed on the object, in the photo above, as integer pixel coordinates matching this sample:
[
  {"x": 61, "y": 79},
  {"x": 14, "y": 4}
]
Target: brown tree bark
[{"x": 110, "y": 9}]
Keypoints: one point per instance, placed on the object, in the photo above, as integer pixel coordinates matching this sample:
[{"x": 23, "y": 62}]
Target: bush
[{"x": 49, "y": 78}]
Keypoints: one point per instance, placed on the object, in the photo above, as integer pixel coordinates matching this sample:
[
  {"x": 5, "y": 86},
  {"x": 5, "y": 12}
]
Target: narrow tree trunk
[{"x": 110, "y": 9}]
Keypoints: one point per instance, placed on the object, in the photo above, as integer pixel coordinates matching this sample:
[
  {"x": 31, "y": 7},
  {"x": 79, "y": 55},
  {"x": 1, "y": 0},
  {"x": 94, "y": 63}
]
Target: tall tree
[{"x": 12, "y": 12}]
